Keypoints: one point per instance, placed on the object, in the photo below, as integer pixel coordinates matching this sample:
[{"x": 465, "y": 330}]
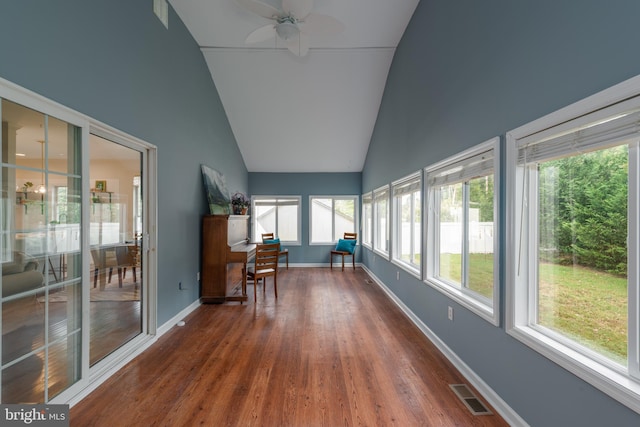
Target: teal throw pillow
[
  {"x": 346, "y": 245},
  {"x": 270, "y": 241}
]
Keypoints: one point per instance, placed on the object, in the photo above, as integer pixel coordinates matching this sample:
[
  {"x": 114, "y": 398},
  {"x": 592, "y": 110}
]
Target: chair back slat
[{"x": 267, "y": 256}]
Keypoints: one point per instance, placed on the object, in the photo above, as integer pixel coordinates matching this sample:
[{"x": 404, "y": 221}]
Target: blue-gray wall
[
  {"x": 305, "y": 185},
  {"x": 466, "y": 71},
  {"x": 115, "y": 62}
]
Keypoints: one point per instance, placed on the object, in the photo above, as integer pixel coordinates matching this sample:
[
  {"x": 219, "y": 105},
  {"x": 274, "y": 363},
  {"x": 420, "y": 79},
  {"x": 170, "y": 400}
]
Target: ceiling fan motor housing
[{"x": 287, "y": 27}]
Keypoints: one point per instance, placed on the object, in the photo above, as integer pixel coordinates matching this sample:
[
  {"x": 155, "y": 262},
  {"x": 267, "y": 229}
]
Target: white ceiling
[{"x": 300, "y": 114}]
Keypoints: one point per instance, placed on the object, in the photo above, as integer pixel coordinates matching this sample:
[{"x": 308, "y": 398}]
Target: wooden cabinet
[{"x": 225, "y": 253}]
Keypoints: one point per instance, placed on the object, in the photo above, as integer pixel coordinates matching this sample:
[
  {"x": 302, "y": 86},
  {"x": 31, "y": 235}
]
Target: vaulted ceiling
[{"x": 288, "y": 113}]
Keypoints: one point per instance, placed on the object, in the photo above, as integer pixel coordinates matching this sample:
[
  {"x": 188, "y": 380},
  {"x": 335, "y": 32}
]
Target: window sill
[
  {"x": 466, "y": 300},
  {"x": 412, "y": 270},
  {"x": 617, "y": 384},
  {"x": 382, "y": 254}
]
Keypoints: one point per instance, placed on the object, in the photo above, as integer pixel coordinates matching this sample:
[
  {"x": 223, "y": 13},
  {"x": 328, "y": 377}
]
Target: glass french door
[
  {"x": 41, "y": 255},
  {"x": 73, "y": 215},
  {"x": 115, "y": 239}
]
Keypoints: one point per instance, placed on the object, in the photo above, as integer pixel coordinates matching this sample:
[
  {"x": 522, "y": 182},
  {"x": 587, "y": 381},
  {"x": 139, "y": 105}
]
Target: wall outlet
[
  {"x": 198, "y": 276},
  {"x": 450, "y": 313},
  {"x": 397, "y": 275}
]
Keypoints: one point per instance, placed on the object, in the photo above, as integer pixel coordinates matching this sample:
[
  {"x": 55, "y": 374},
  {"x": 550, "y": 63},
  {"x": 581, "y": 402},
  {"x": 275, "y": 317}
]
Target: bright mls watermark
[{"x": 34, "y": 415}]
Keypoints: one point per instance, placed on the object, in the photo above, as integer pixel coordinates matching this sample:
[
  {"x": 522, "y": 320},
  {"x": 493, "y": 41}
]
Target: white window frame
[
  {"x": 480, "y": 160},
  {"x": 380, "y": 194},
  {"x": 356, "y": 216},
  {"x": 279, "y": 201},
  {"x": 407, "y": 185},
  {"x": 621, "y": 383},
  {"x": 367, "y": 220}
]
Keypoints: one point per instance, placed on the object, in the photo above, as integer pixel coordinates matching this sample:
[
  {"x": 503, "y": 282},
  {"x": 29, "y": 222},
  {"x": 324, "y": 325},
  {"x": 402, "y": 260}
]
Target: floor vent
[
  {"x": 368, "y": 281},
  {"x": 469, "y": 399}
]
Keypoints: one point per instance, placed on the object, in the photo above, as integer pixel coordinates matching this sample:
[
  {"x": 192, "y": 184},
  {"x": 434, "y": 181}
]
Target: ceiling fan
[{"x": 293, "y": 23}]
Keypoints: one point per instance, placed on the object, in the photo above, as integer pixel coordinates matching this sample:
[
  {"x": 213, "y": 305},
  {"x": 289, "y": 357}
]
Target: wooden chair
[
  {"x": 282, "y": 252},
  {"x": 266, "y": 264},
  {"x": 344, "y": 253}
]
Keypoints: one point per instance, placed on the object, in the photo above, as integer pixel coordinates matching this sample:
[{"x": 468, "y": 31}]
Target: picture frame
[{"x": 101, "y": 185}]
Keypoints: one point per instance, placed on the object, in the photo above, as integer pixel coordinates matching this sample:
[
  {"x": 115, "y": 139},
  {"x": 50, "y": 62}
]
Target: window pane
[
  {"x": 344, "y": 217},
  {"x": 450, "y": 213},
  {"x": 582, "y": 284},
  {"x": 40, "y": 254},
  {"x": 279, "y": 216},
  {"x": 288, "y": 223},
  {"x": 265, "y": 219},
  {"x": 366, "y": 221},
  {"x": 113, "y": 168},
  {"x": 480, "y": 237},
  {"x": 321, "y": 210},
  {"x": 382, "y": 214},
  {"x": 417, "y": 230},
  {"x": 63, "y": 154}
]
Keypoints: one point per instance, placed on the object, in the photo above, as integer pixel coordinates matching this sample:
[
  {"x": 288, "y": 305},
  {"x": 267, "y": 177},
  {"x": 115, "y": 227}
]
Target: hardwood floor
[{"x": 332, "y": 350}]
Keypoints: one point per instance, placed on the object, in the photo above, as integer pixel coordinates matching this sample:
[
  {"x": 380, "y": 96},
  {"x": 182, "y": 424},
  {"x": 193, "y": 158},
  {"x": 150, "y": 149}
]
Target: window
[
  {"x": 407, "y": 208},
  {"x": 573, "y": 214},
  {"x": 367, "y": 219},
  {"x": 279, "y": 215},
  {"x": 462, "y": 213},
  {"x": 381, "y": 220},
  {"x": 331, "y": 217}
]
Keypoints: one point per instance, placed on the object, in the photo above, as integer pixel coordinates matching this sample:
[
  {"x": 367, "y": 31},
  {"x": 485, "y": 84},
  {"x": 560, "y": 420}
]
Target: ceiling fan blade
[
  {"x": 261, "y": 34},
  {"x": 315, "y": 23},
  {"x": 262, "y": 9},
  {"x": 299, "y": 9},
  {"x": 299, "y": 45}
]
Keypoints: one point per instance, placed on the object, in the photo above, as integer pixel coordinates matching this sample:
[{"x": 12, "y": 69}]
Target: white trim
[
  {"x": 366, "y": 198},
  {"x": 408, "y": 268},
  {"x": 356, "y": 216},
  {"x": 323, "y": 265},
  {"x": 520, "y": 296},
  {"x": 604, "y": 98},
  {"x": 254, "y": 216},
  {"x": 408, "y": 185},
  {"x": 488, "y": 309},
  {"x": 375, "y": 237},
  {"x": 633, "y": 264},
  {"x": 494, "y": 399}
]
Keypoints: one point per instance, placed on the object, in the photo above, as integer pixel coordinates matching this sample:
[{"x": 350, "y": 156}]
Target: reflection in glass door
[
  {"x": 41, "y": 282},
  {"x": 116, "y": 229}
]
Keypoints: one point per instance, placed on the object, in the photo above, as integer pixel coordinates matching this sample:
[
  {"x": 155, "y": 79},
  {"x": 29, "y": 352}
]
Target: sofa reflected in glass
[{"x": 20, "y": 274}]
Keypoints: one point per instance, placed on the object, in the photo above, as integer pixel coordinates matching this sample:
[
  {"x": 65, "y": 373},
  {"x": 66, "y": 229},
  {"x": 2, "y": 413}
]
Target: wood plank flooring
[{"x": 331, "y": 351}]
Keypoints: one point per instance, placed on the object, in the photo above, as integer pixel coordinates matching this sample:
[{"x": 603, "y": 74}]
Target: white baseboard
[
  {"x": 178, "y": 317},
  {"x": 487, "y": 392},
  {"x": 317, "y": 264}
]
